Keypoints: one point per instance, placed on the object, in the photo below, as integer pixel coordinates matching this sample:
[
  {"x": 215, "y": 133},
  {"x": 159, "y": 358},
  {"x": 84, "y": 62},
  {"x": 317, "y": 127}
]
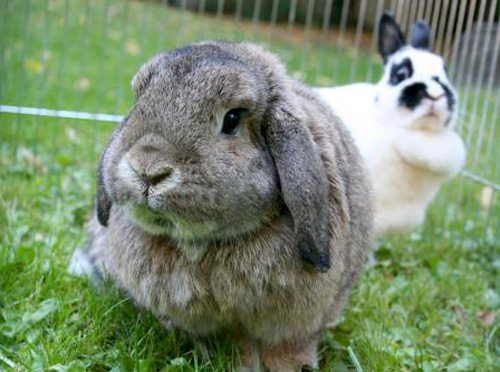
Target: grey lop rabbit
[{"x": 231, "y": 200}]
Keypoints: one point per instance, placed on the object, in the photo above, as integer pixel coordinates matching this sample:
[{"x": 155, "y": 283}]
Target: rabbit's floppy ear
[
  {"x": 145, "y": 74},
  {"x": 390, "y": 37},
  {"x": 421, "y": 35},
  {"x": 103, "y": 201},
  {"x": 304, "y": 184}
]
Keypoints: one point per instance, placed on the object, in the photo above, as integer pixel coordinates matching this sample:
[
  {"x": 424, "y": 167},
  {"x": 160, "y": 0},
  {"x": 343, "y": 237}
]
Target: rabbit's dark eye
[
  {"x": 232, "y": 120},
  {"x": 402, "y": 74},
  {"x": 401, "y": 71}
]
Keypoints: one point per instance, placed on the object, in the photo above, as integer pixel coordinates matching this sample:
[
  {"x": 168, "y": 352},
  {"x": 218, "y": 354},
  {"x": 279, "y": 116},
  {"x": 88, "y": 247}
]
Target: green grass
[{"x": 428, "y": 304}]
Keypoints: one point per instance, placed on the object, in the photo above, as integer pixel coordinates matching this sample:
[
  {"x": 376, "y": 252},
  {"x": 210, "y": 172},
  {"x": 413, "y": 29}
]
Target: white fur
[
  {"x": 409, "y": 154},
  {"x": 80, "y": 264}
]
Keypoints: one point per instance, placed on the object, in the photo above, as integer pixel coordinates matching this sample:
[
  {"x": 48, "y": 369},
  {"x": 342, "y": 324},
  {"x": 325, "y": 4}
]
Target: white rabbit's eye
[
  {"x": 401, "y": 71},
  {"x": 232, "y": 120},
  {"x": 402, "y": 74}
]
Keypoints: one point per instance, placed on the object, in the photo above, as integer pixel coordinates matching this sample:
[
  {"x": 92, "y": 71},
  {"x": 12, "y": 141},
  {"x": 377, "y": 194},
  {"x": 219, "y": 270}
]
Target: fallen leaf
[
  {"x": 486, "y": 318},
  {"x": 298, "y": 75},
  {"x": 74, "y": 366},
  {"x": 26, "y": 155},
  {"x": 460, "y": 312},
  {"x": 463, "y": 364},
  {"x": 82, "y": 84},
  {"x": 487, "y": 196},
  {"x": 324, "y": 80},
  {"x": 33, "y": 66},
  {"x": 47, "y": 55},
  {"x": 114, "y": 35},
  {"x": 491, "y": 298},
  {"x": 132, "y": 48},
  {"x": 72, "y": 134},
  {"x": 45, "y": 308},
  {"x": 178, "y": 362}
]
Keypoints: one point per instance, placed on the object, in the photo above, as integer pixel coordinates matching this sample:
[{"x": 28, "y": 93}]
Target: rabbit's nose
[
  {"x": 435, "y": 97},
  {"x": 157, "y": 174}
]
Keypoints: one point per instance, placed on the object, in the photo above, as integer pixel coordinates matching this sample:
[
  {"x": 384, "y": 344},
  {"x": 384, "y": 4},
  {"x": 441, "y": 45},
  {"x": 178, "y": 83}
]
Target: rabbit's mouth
[
  {"x": 172, "y": 226},
  {"x": 437, "y": 117},
  {"x": 147, "y": 219}
]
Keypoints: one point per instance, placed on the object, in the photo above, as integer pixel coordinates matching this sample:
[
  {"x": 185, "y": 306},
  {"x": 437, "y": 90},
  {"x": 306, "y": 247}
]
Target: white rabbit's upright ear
[
  {"x": 390, "y": 37},
  {"x": 421, "y": 35},
  {"x": 304, "y": 184}
]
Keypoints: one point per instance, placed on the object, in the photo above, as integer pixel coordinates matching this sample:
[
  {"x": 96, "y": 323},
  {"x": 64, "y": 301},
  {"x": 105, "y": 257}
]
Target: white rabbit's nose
[
  {"x": 435, "y": 97},
  {"x": 434, "y": 91}
]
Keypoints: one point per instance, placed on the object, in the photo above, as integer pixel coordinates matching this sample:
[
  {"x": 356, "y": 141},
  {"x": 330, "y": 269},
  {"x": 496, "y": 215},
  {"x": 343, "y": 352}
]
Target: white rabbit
[{"x": 403, "y": 126}]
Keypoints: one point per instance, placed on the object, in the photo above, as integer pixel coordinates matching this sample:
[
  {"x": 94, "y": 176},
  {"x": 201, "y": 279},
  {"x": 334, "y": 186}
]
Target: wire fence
[{"x": 64, "y": 61}]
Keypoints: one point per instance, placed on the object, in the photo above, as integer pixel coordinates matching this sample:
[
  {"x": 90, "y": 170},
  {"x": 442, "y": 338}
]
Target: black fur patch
[
  {"x": 412, "y": 95},
  {"x": 401, "y": 71},
  {"x": 450, "y": 98}
]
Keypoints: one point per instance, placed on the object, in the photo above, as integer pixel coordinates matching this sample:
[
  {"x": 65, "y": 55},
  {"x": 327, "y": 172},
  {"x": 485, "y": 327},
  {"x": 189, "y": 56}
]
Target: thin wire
[
  {"x": 162, "y": 7},
  {"x": 62, "y": 59},
  {"x": 374, "y": 58},
  {"x": 412, "y": 14},
  {"x": 340, "y": 38},
  {"x": 22, "y": 77},
  {"x": 324, "y": 45},
  {"x": 445, "y": 195},
  {"x": 456, "y": 71},
  {"x": 65, "y": 114},
  {"x": 292, "y": 13},
  {"x": 201, "y": 7},
  {"x": 103, "y": 44},
  {"x": 481, "y": 180},
  {"x": 467, "y": 209},
  {"x": 120, "y": 97},
  {"x": 42, "y": 80},
  {"x": 491, "y": 134},
  {"x": 471, "y": 82},
  {"x": 255, "y": 18},
  {"x": 428, "y": 11},
  {"x": 3, "y": 47},
  {"x": 274, "y": 16},
  {"x": 465, "y": 47},
  {"x": 438, "y": 45},
  {"x": 83, "y": 49},
  {"x": 183, "y": 20},
  {"x": 220, "y": 9},
  {"x": 306, "y": 41},
  {"x": 404, "y": 22},
  {"x": 60, "y": 71},
  {"x": 468, "y": 89},
  {"x": 399, "y": 11},
  {"x": 357, "y": 41},
  {"x": 421, "y": 9},
  {"x": 455, "y": 62},
  {"x": 449, "y": 29},
  {"x": 489, "y": 84},
  {"x": 238, "y": 11},
  {"x": 469, "y": 47},
  {"x": 489, "y": 214},
  {"x": 434, "y": 23}
]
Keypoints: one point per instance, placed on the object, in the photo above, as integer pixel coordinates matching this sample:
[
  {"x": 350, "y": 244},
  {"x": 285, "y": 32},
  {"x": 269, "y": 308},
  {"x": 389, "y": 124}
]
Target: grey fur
[
  {"x": 220, "y": 244},
  {"x": 421, "y": 35}
]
